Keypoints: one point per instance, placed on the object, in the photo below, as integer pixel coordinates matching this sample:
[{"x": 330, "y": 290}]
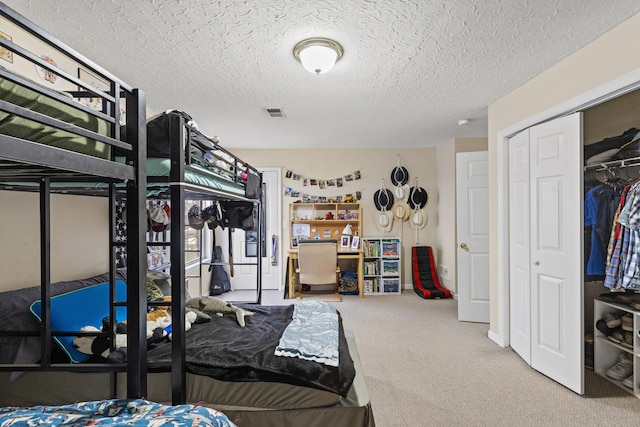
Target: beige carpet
[{"x": 423, "y": 367}]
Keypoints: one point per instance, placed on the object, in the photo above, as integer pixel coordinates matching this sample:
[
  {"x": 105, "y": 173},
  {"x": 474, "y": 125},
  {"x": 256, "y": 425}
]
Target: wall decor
[
  {"x": 47, "y": 75},
  {"x": 323, "y": 183},
  {"x": 5, "y": 53},
  {"x": 93, "y": 102}
]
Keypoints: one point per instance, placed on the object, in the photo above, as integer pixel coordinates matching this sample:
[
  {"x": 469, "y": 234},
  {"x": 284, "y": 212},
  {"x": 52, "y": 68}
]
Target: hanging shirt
[
  {"x": 600, "y": 205},
  {"x": 629, "y": 218},
  {"x": 619, "y": 241}
]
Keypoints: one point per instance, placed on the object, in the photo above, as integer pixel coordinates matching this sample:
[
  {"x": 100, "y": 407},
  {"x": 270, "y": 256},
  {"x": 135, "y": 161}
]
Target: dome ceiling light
[{"x": 318, "y": 55}]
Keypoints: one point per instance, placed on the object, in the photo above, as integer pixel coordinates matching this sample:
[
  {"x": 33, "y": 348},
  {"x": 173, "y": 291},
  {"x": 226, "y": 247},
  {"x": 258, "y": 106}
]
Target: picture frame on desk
[
  {"x": 355, "y": 243},
  {"x": 345, "y": 242},
  {"x": 294, "y": 242}
]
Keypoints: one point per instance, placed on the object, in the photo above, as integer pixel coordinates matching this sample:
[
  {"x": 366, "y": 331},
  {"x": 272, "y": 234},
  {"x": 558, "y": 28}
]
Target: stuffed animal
[
  {"x": 159, "y": 322},
  {"x": 189, "y": 319},
  {"x": 214, "y": 305},
  {"x": 100, "y": 345}
]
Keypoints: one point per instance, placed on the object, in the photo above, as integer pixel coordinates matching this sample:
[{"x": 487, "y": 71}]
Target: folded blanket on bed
[{"x": 312, "y": 334}]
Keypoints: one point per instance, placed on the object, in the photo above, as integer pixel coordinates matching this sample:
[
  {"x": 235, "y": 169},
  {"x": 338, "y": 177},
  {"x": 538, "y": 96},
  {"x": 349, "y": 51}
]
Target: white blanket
[{"x": 312, "y": 334}]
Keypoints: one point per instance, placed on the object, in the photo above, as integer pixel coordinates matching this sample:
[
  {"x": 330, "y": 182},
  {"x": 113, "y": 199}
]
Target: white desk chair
[{"x": 318, "y": 265}]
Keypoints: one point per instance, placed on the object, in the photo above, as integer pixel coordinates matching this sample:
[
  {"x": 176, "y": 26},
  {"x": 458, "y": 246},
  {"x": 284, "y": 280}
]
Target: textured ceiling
[{"x": 411, "y": 68}]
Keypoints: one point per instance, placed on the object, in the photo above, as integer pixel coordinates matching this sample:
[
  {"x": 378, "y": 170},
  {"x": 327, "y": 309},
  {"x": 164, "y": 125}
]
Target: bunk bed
[
  {"x": 120, "y": 167},
  {"x": 50, "y": 141}
]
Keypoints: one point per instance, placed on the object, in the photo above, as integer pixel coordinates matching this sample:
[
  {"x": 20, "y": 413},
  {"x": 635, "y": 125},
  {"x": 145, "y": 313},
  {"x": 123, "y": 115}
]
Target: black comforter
[{"x": 223, "y": 350}]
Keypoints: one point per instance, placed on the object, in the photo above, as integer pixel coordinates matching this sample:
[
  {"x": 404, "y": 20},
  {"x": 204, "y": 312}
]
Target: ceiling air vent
[{"x": 275, "y": 112}]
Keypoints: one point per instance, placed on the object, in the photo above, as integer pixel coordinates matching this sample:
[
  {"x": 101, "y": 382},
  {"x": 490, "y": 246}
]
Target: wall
[
  {"x": 447, "y": 249},
  {"x": 79, "y": 238},
  {"x": 375, "y": 165},
  {"x": 607, "y": 58}
]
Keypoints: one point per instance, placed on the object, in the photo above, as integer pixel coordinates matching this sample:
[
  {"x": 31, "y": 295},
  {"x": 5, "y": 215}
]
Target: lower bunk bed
[{"x": 228, "y": 367}]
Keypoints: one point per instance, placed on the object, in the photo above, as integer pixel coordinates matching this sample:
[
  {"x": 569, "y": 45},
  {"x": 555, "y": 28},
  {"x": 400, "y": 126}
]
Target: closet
[{"x": 551, "y": 305}]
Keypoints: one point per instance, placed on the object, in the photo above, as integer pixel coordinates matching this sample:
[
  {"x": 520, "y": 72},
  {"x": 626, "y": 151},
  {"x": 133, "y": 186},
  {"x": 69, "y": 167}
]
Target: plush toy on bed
[
  {"x": 159, "y": 322},
  {"x": 213, "y": 305},
  {"x": 158, "y": 328},
  {"x": 100, "y": 346}
]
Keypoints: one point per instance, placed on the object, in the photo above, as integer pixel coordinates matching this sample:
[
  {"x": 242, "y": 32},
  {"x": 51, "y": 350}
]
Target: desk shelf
[{"x": 323, "y": 220}]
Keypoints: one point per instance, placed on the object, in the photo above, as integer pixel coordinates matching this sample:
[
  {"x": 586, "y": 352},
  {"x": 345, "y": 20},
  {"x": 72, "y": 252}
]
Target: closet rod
[{"x": 632, "y": 161}]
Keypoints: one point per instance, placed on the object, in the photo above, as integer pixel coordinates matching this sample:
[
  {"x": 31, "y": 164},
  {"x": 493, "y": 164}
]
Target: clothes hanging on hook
[
  {"x": 623, "y": 252},
  {"x": 600, "y": 205}
]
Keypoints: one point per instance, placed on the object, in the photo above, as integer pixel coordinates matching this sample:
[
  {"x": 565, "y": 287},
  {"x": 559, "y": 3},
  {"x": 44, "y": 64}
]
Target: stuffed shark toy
[{"x": 212, "y": 305}]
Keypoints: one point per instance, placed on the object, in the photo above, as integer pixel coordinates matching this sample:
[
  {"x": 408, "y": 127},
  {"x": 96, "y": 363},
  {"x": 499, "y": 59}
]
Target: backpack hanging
[{"x": 219, "y": 279}]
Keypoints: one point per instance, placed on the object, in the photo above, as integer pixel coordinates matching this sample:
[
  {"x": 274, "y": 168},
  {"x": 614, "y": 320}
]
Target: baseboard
[{"x": 496, "y": 338}]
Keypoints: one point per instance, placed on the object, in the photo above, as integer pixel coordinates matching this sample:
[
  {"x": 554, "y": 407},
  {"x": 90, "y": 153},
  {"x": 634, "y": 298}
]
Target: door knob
[
  {"x": 536, "y": 263},
  {"x": 463, "y": 245}
]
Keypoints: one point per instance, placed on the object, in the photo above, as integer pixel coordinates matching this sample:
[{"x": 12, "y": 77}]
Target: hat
[
  {"x": 401, "y": 192},
  {"x": 418, "y": 219},
  {"x": 383, "y": 199},
  {"x": 384, "y": 221},
  {"x": 159, "y": 218},
  {"x": 212, "y": 215},
  {"x": 400, "y": 211},
  {"x": 418, "y": 197},
  {"x": 195, "y": 217},
  {"x": 399, "y": 175}
]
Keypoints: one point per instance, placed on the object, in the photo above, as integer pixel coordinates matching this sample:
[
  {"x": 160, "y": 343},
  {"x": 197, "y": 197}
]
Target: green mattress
[
  {"x": 156, "y": 167},
  {"x": 23, "y": 128},
  {"x": 162, "y": 167}
]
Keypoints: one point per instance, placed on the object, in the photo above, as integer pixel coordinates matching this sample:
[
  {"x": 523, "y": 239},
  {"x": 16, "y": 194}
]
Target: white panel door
[
  {"x": 472, "y": 227},
  {"x": 519, "y": 246},
  {"x": 556, "y": 250},
  {"x": 244, "y": 277}
]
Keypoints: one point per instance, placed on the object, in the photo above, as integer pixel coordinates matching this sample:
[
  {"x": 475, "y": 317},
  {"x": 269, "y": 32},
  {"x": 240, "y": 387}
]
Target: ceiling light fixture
[{"x": 318, "y": 55}]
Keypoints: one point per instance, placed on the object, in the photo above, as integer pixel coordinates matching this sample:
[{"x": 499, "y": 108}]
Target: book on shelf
[{"x": 389, "y": 248}]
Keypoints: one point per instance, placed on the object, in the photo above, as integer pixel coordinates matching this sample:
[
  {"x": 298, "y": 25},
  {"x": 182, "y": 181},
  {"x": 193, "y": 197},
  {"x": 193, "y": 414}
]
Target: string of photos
[{"x": 322, "y": 184}]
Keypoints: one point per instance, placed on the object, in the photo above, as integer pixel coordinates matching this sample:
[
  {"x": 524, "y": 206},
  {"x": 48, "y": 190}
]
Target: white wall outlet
[{"x": 444, "y": 272}]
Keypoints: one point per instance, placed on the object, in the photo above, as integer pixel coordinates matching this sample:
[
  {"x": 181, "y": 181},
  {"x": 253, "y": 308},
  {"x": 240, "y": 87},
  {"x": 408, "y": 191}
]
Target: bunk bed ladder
[{"x": 136, "y": 247}]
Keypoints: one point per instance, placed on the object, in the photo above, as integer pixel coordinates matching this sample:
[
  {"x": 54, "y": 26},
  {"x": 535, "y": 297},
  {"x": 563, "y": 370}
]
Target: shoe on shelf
[
  {"x": 627, "y": 322},
  {"x": 617, "y": 336},
  {"x": 588, "y": 352},
  {"x": 628, "y": 382},
  {"x": 622, "y": 369},
  {"x": 613, "y": 320},
  {"x": 601, "y": 325},
  {"x": 627, "y": 340}
]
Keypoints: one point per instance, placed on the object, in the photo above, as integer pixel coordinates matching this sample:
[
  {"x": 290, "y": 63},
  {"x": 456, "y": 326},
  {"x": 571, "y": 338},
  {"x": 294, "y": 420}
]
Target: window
[{"x": 196, "y": 240}]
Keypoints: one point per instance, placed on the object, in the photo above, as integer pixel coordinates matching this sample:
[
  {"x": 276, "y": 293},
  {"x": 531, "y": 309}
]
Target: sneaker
[
  {"x": 601, "y": 325},
  {"x": 628, "y": 382},
  {"x": 622, "y": 369},
  {"x": 627, "y": 322},
  {"x": 617, "y": 335},
  {"x": 627, "y": 340},
  {"x": 612, "y": 319}
]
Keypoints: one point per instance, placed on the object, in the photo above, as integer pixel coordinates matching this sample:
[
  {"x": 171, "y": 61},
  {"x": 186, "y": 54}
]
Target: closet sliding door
[
  {"x": 520, "y": 245},
  {"x": 554, "y": 264}
]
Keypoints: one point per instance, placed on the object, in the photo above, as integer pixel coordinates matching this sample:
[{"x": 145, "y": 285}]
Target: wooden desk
[{"x": 357, "y": 255}]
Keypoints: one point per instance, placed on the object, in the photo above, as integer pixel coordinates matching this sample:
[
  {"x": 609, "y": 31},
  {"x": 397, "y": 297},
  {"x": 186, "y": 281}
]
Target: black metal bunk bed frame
[
  {"x": 24, "y": 161},
  {"x": 179, "y": 192}
]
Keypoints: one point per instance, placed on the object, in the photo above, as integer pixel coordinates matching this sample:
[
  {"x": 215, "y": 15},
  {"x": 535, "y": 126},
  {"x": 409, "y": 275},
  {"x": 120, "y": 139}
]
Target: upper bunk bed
[
  {"x": 61, "y": 132},
  {"x": 184, "y": 164}
]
